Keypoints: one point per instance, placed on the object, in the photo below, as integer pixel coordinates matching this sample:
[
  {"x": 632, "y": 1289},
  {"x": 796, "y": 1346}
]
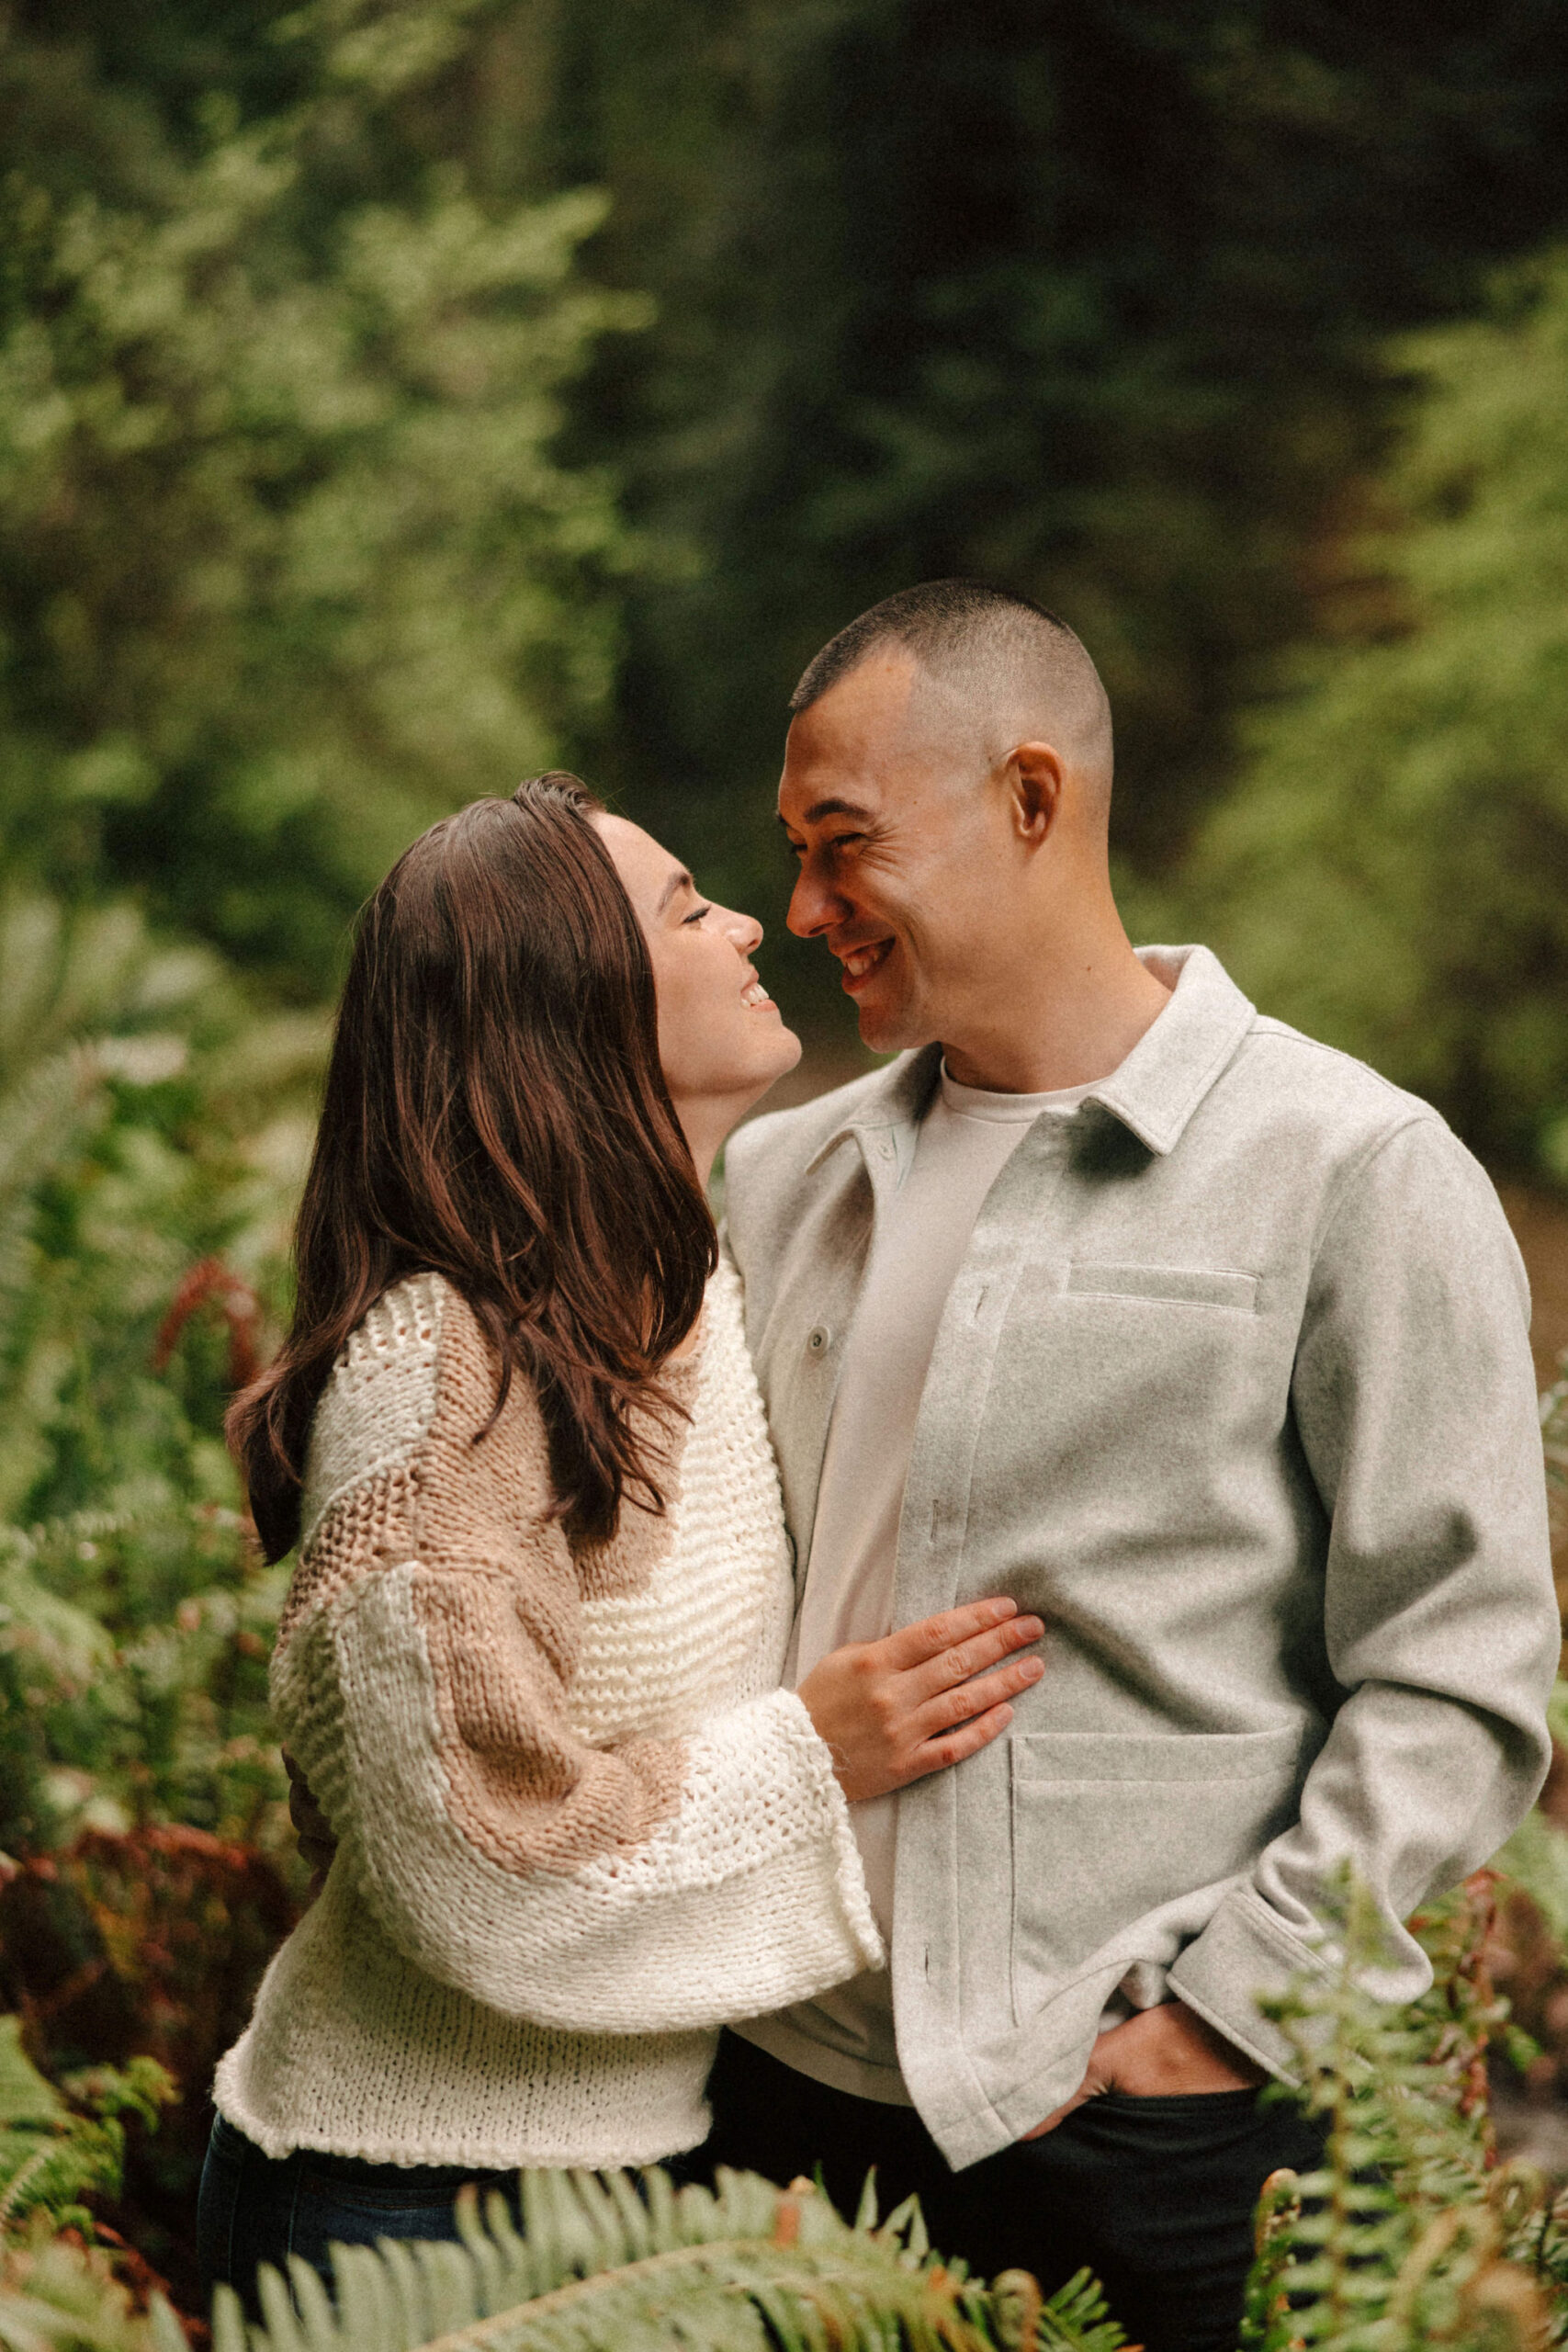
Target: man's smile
[{"x": 860, "y": 963}]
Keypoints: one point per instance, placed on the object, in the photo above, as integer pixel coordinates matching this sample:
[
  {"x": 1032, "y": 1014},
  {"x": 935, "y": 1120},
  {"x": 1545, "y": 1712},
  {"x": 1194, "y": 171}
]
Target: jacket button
[{"x": 819, "y": 1338}]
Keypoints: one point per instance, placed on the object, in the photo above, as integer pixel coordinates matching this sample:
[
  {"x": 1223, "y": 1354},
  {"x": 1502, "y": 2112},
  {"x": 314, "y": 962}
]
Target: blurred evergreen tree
[
  {"x": 294, "y": 548},
  {"x": 1393, "y": 874},
  {"x": 1084, "y": 299},
  {"x": 286, "y": 565}
]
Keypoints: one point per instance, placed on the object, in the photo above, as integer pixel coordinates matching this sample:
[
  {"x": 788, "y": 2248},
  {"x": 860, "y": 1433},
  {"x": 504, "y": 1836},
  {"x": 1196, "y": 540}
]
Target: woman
[{"x": 530, "y": 1657}]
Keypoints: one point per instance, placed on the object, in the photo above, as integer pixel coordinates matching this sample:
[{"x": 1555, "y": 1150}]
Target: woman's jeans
[{"x": 257, "y": 2208}]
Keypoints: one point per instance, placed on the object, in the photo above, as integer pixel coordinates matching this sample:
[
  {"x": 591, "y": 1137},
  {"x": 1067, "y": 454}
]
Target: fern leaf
[
  {"x": 167, "y": 2333},
  {"x": 286, "y": 2331},
  {"x": 1076, "y": 2320},
  {"x": 56, "y": 2296},
  {"x": 229, "y": 2330},
  {"x": 601, "y": 2267}
]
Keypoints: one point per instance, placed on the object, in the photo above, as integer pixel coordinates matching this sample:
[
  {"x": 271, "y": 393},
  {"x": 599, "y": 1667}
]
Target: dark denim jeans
[
  {"x": 1155, "y": 2195},
  {"x": 257, "y": 2208}
]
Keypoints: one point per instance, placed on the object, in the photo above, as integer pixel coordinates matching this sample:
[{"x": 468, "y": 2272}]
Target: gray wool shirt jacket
[{"x": 1233, "y": 1389}]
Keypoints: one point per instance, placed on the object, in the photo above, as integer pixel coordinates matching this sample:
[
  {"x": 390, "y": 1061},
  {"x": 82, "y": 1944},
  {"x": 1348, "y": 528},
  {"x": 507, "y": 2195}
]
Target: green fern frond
[
  {"x": 66, "y": 974},
  {"x": 40, "y": 1118},
  {"x": 1075, "y": 2319},
  {"x": 1406, "y": 2236},
  {"x": 51, "y": 2153},
  {"x": 61, "y": 2296},
  {"x": 1554, "y": 1445},
  {"x": 602, "y": 2266}
]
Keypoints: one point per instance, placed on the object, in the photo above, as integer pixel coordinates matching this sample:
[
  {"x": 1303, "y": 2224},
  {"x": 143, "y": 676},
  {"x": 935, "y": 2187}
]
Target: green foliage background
[
  {"x": 396, "y": 396},
  {"x": 287, "y": 565},
  {"x": 1394, "y": 873}
]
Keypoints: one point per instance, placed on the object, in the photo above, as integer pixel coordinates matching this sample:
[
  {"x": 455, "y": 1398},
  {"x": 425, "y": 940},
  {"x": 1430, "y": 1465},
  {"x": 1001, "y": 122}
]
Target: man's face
[{"x": 905, "y": 865}]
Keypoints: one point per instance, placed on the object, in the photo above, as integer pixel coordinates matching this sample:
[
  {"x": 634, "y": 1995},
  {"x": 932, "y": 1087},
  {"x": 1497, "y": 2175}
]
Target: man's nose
[{"x": 813, "y": 909}]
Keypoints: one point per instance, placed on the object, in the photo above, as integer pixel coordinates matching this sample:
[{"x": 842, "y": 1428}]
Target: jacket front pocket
[{"x": 1108, "y": 1829}]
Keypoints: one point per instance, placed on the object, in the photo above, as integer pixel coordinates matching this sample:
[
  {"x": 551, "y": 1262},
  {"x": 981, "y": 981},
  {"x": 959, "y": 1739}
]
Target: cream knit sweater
[{"x": 579, "y": 1824}]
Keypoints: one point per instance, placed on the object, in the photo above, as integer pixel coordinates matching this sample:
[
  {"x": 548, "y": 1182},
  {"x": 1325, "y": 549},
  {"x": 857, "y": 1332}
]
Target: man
[{"x": 1206, "y": 1346}]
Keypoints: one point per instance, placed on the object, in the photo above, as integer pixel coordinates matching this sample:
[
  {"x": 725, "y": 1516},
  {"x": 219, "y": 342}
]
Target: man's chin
[{"x": 889, "y": 1029}]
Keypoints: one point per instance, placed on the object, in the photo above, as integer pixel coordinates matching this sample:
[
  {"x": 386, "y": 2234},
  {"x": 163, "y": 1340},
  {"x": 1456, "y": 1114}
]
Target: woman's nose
[{"x": 744, "y": 932}]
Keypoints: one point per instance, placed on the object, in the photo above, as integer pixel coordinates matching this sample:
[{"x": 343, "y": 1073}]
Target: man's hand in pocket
[{"x": 1159, "y": 2054}]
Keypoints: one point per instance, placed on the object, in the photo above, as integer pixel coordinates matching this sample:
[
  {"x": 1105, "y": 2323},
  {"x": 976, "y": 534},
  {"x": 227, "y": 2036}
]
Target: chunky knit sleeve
[{"x": 428, "y": 1677}]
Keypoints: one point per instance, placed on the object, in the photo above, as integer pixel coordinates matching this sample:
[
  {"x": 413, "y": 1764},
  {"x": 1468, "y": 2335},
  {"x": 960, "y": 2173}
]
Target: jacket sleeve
[
  {"x": 423, "y": 1680},
  {"x": 1413, "y": 1398}
]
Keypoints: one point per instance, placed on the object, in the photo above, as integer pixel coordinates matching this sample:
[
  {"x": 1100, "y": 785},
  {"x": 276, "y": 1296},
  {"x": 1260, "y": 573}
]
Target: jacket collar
[
  {"x": 1180, "y": 1055},
  {"x": 1154, "y": 1091}
]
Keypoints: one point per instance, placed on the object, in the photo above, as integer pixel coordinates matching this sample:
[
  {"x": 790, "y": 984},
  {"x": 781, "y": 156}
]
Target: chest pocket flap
[{"x": 1168, "y": 1285}]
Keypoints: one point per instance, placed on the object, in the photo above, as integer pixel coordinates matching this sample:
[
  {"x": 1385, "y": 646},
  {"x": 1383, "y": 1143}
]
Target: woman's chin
[
  {"x": 765, "y": 1068},
  {"x": 790, "y": 1050}
]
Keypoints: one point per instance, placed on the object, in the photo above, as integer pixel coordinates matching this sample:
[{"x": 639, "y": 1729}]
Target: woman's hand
[
  {"x": 890, "y": 1710},
  {"x": 894, "y": 1710}
]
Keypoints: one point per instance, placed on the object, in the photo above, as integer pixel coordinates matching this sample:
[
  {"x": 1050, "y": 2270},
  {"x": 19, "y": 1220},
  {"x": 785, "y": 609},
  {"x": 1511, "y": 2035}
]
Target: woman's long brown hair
[{"x": 495, "y": 1112}]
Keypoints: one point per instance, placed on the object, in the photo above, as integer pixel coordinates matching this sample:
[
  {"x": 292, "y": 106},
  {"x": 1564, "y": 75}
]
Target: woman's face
[{"x": 721, "y": 1039}]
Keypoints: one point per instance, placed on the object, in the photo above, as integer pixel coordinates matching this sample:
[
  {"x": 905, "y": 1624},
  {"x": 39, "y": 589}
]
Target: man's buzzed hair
[{"x": 1025, "y": 669}]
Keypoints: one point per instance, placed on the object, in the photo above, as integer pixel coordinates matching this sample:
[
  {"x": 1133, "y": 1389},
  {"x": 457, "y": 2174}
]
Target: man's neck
[{"x": 1065, "y": 1027}]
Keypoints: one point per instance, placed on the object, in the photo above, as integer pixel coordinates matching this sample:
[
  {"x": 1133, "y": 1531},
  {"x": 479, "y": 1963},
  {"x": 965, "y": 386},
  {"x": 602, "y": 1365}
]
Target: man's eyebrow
[
  {"x": 821, "y": 808},
  {"x": 680, "y": 879}
]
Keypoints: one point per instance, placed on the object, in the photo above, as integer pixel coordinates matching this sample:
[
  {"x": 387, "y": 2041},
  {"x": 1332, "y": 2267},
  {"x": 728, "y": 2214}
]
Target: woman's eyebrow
[{"x": 678, "y": 880}]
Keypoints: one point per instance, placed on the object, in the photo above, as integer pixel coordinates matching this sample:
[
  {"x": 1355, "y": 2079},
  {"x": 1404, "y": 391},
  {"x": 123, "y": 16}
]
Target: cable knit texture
[{"x": 579, "y": 1824}]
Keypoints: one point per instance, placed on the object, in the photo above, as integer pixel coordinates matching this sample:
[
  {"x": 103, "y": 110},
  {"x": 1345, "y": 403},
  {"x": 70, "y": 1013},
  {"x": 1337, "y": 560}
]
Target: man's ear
[{"x": 1035, "y": 774}]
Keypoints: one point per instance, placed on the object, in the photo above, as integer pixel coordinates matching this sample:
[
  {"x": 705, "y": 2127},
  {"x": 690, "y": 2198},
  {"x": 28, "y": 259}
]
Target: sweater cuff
[
  {"x": 1246, "y": 1954},
  {"x": 845, "y": 1866}
]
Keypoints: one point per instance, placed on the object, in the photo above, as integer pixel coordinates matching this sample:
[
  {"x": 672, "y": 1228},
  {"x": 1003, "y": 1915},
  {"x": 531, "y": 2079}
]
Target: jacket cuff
[{"x": 1246, "y": 1954}]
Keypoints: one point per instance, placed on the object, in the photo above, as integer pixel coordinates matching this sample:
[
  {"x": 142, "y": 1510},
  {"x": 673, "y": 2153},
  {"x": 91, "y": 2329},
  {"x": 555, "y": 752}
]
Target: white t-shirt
[{"x": 845, "y": 2038}]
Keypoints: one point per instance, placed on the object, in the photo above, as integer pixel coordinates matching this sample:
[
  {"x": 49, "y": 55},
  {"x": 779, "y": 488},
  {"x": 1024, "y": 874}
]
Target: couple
[{"x": 1151, "y": 1397}]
